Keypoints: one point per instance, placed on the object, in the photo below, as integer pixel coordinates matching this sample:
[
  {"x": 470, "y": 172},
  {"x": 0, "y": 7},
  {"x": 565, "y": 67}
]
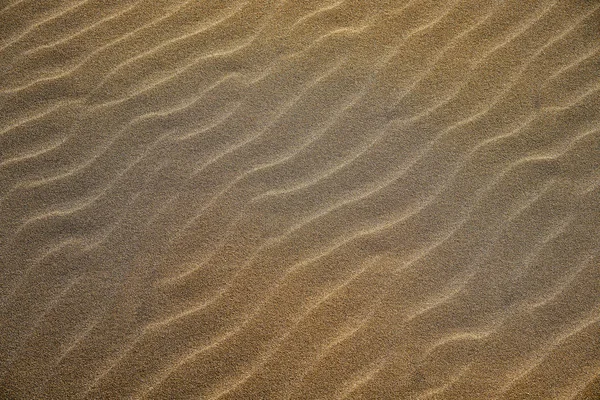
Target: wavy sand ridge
[{"x": 300, "y": 199}]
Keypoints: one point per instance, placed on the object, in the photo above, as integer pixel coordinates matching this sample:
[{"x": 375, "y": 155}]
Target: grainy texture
[{"x": 280, "y": 199}]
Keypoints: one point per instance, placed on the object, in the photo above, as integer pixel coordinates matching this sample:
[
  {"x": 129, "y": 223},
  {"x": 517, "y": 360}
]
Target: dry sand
[{"x": 285, "y": 199}]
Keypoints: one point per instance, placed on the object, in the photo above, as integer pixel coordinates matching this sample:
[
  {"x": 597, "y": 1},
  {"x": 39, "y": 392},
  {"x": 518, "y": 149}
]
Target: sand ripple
[{"x": 299, "y": 199}]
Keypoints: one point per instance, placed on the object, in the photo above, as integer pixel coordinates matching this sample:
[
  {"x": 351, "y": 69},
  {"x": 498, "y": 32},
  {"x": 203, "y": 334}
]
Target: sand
[{"x": 281, "y": 199}]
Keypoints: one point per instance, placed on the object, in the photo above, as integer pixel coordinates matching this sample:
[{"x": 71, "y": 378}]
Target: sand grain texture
[{"x": 277, "y": 199}]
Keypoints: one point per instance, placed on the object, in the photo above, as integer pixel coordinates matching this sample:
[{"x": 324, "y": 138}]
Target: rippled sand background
[{"x": 299, "y": 199}]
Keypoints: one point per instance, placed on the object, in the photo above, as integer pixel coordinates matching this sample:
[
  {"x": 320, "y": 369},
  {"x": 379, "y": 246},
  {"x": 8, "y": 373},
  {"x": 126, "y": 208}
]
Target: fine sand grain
[{"x": 299, "y": 199}]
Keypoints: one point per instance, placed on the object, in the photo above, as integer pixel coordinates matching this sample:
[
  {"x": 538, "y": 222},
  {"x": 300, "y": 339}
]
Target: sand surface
[{"x": 299, "y": 199}]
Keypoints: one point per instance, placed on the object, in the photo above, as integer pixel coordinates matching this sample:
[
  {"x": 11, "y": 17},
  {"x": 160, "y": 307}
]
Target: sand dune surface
[{"x": 315, "y": 199}]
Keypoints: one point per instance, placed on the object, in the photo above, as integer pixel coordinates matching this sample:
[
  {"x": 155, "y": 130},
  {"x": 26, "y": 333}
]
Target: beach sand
[{"x": 281, "y": 199}]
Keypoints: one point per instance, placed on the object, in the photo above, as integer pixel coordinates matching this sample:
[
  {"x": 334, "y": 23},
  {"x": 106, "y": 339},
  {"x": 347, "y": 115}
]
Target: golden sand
[{"x": 299, "y": 199}]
